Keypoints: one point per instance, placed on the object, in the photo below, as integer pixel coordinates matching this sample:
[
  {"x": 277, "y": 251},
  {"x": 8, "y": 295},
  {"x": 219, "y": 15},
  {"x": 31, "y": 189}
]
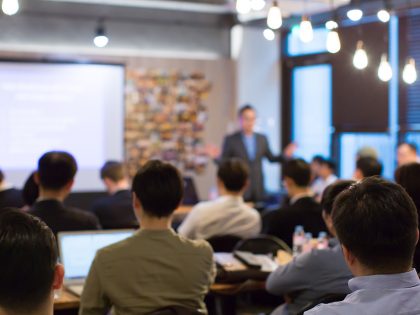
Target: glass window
[{"x": 312, "y": 97}]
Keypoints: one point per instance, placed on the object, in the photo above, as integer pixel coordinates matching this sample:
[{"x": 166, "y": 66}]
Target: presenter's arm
[
  {"x": 287, "y": 152},
  {"x": 94, "y": 300},
  {"x": 226, "y": 152}
]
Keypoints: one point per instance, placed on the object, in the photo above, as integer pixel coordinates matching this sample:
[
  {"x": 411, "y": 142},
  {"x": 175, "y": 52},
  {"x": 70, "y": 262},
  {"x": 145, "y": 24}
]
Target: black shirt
[{"x": 11, "y": 198}]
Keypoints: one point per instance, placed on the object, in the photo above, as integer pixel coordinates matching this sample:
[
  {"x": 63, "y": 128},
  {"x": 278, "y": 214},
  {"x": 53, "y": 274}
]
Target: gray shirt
[{"x": 308, "y": 277}]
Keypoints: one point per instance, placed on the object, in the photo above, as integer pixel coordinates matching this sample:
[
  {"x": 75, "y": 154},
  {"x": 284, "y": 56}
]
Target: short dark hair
[
  {"x": 159, "y": 188},
  {"x": 408, "y": 176},
  {"x": 233, "y": 173},
  {"x": 332, "y": 191},
  {"x": 411, "y": 145},
  {"x": 245, "y": 108},
  {"x": 113, "y": 170},
  {"x": 376, "y": 220},
  {"x": 369, "y": 166},
  {"x": 1, "y": 176},
  {"x": 299, "y": 171},
  {"x": 330, "y": 164},
  {"x": 56, "y": 169},
  {"x": 28, "y": 255},
  {"x": 30, "y": 191},
  {"x": 317, "y": 159}
]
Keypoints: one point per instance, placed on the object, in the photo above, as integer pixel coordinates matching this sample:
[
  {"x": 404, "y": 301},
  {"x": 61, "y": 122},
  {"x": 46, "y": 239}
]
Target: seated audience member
[
  {"x": 29, "y": 271},
  {"x": 115, "y": 210},
  {"x": 408, "y": 176},
  {"x": 228, "y": 214},
  {"x": 376, "y": 224},
  {"x": 55, "y": 177},
  {"x": 302, "y": 209},
  {"x": 156, "y": 267},
  {"x": 312, "y": 275},
  {"x": 30, "y": 191},
  {"x": 316, "y": 163},
  {"x": 326, "y": 176},
  {"x": 367, "y": 167},
  {"x": 9, "y": 196},
  {"x": 407, "y": 153}
]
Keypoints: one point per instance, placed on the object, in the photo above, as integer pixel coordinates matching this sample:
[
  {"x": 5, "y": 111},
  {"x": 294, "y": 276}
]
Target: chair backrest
[
  {"x": 176, "y": 310},
  {"x": 263, "y": 244},
  {"x": 224, "y": 243},
  {"x": 328, "y": 298}
]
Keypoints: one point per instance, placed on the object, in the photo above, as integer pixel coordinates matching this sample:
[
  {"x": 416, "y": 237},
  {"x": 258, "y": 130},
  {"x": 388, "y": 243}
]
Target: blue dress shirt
[
  {"x": 250, "y": 145},
  {"x": 395, "y": 294}
]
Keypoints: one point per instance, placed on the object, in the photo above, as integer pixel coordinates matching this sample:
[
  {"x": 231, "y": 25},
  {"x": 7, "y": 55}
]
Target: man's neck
[
  {"x": 299, "y": 191},
  {"x": 46, "y": 309},
  {"x": 247, "y": 133},
  {"x": 224, "y": 192},
  {"x": 325, "y": 177},
  {"x": 157, "y": 224},
  {"x": 121, "y": 185},
  {"x": 46, "y": 194}
]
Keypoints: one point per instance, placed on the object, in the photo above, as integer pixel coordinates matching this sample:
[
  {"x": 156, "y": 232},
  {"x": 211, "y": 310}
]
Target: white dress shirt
[
  {"x": 320, "y": 184},
  {"x": 227, "y": 215}
]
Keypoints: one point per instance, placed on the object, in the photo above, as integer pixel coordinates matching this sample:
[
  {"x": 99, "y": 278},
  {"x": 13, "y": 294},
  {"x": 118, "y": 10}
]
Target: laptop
[{"x": 78, "y": 249}]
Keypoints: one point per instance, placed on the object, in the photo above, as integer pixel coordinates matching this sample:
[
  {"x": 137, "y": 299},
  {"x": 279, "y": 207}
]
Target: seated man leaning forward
[
  {"x": 29, "y": 271},
  {"x": 376, "y": 224},
  {"x": 156, "y": 267},
  {"x": 228, "y": 214},
  {"x": 312, "y": 275}
]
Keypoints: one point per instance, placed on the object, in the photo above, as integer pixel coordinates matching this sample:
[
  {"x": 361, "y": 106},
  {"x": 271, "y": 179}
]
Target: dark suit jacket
[
  {"x": 62, "y": 218},
  {"x": 234, "y": 146},
  {"x": 115, "y": 211},
  {"x": 11, "y": 198},
  {"x": 305, "y": 211}
]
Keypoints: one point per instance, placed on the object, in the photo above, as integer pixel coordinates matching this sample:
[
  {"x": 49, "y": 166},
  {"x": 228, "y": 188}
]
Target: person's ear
[
  {"x": 58, "y": 277},
  {"x": 357, "y": 175},
  {"x": 36, "y": 178},
  {"x": 70, "y": 185},
  {"x": 348, "y": 256},
  {"x": 136, "y": 202},
  {"x": 417, "y": 236}
]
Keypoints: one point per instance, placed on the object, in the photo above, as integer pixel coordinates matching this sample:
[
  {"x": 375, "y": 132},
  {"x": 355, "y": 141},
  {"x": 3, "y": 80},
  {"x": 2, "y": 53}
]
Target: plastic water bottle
[
  {"x": 322, "y": 240},
  {"x": 298, "y": 240},
  {"x": 307, "y": 246}
]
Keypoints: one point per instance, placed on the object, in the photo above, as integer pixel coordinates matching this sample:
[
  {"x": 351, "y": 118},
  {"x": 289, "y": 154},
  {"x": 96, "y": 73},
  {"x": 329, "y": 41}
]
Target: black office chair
[
  {"x": 224, "y": 243},
  {"x": 263, "y": 244},
  {"x": 328, "y": 298},
  {"x": 176, "y": 310}
]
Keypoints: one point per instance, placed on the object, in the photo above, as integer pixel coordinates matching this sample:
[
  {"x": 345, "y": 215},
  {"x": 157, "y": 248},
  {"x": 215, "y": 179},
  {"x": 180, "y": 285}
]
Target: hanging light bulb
[
  {"x": 331, "y": 24},
  {"x": 10, "y": 7},
  {"x": 355, "y": 14},
  {"x": 383, "y": 16},
  {"x": 333, "y": 42},
  {"x": 257, "y": 5},
  {"x": 100, "y": 40},
  {"x": 269, "y": 34},
  {"x": 306, "y": 33},
  {"x": 410, "y": 72},
  {"x": 243, "y": 6},
  {"x": 384, "y": 70},
  {"x": 360, "y": 59},
  {"x": 274, "y": 18}
]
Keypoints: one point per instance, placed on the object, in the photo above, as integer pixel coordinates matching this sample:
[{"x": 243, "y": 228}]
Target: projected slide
[{"x": 72, "y": 107}]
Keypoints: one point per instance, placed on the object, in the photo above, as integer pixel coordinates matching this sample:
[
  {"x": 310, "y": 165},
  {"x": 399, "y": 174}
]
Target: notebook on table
[{"x": 78, "y": 249}]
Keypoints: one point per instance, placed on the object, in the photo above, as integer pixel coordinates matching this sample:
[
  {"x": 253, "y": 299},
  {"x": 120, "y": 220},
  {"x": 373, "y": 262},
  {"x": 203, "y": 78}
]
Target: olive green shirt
[{"x": 148, "y": 271}]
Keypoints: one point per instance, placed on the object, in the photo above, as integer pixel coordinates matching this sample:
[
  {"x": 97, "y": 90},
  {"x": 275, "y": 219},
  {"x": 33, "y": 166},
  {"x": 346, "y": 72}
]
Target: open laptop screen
[{"x": 78, "y": 249}]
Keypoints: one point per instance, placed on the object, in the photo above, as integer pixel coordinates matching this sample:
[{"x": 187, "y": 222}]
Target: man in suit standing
[
  {"x": 252, "y": 147},
  {"x": 55, "y": 178},
  {"x": 115, "y": 211}
]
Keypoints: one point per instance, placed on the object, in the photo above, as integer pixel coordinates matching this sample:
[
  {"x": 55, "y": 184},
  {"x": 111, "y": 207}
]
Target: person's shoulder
[
  {"x": 114, "y": 251},
  {"x": 336, "y": 308},
  {"x": 81, "y": 215},
  {"x": 201, "y": 247},
  {"x": 101, "y": 203}
]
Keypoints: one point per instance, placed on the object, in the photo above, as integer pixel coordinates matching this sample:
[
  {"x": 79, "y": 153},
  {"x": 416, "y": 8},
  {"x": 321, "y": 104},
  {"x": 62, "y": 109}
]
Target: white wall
[{"x": 258, "y": 83}]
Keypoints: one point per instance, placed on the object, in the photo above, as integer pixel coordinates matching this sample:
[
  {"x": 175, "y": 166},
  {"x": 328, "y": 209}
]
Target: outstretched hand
[
  {"x": 290, "y": 150},
  {"x": 212, "y": 151}
]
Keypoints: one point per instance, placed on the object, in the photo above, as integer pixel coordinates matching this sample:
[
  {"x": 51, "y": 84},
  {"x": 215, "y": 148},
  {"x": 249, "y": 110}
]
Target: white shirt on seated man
[{"x": 228, "y": 214}]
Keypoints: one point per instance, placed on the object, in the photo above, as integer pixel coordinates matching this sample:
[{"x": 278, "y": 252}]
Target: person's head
[
  {"x": 158, "y": 189},
  {"x": 329, "y": 195},
  {"x": 29, "y": 271},
  {"x": 56, "y": 171},
  {"x": 367, "y": 152},
  {"x": 30, "y": 191},
  {"x": 407, "y": 153},
  {"x": 367, "y": 167},
  {"x": 408, "y": 176},
  {"x": 327, "y": 168},
  {"x": 296, "y": 176},
  {"x": 316, "y": 163},
  {"x": 232, "y": 176},
  {"x": 113, "y": 175},
  {"x": 376, "y": 223},
  {"x": 247, "y": 118}
]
